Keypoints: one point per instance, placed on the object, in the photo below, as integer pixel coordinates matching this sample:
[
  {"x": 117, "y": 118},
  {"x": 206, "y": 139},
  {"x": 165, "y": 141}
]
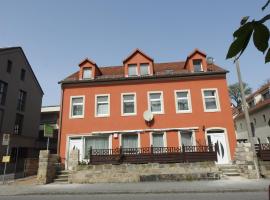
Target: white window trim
[
  {"x": 189, "y": 101},
  {"x": 70, "y": 108},
  {"x": 161, "y": 99},
  {"x": 109, "y": 106},
  {"x": 122, "y": 104},
  {"x": 136, "y": 70},
  {"x": 217, "y": 100},
  {"x": 147, "y": 69},
  {"x": 164, "y": 138},
  {"x": 193, "y": 138}
]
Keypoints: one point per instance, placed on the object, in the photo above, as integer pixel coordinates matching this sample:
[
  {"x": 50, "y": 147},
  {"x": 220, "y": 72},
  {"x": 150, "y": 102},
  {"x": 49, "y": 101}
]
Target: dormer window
[
  {"x": 197, "y": 66},
  {"x": 144, "y": 69},
  {"x": 132, "y": 70},
  {"x": 87, "y": 73}
]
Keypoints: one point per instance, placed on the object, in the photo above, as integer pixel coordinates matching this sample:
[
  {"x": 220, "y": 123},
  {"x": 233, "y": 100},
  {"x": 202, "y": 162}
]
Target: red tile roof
[
  {"x": 169, "y": 68},
  {"x": 260, "y": 90}
]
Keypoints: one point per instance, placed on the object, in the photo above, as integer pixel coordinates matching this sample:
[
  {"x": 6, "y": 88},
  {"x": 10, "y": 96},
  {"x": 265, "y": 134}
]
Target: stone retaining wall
[
  {"x": 46, "y": 167},
  {"x": 108, "y": 173},
  {"x": 31, "y": 166}
]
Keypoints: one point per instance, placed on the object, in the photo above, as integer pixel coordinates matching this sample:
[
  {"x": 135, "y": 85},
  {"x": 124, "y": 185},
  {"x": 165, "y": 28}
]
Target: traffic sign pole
[{"x": 5, "y": 168}]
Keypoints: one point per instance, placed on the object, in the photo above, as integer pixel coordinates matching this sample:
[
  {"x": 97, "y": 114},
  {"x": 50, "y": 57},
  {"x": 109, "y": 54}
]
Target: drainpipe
[
  {"x": 60, "y": 123},
  {"x": 245, "y": 109}
]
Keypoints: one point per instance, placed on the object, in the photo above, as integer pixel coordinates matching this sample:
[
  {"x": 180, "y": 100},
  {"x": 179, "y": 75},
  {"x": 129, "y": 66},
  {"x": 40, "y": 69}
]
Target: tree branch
[{"x": 264, "y": 19}]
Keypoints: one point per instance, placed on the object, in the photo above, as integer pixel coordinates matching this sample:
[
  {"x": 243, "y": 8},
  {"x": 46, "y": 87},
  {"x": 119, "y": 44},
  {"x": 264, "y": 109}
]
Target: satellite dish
[
  {"x": 210, "y": 60},
  {"x": 148, "y": 116}
]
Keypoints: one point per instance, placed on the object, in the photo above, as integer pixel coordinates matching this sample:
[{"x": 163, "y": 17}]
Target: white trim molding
[
  {"x": 109, "y": 106},
  {"x": 218, "y": 109},
  {"x": 71, "y": 116}
]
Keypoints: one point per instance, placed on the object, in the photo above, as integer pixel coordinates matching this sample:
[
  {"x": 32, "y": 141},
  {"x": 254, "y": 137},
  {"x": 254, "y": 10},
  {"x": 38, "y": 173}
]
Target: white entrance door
[
  {"x": 222, "y": 149},
  {"x": 76, "y": 143}
]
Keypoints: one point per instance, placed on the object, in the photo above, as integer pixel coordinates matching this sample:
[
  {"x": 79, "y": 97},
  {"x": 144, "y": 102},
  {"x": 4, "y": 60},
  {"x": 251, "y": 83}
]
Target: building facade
[
  {"x": 20, "y": 103},
  {"x": 104, "y": 107},
  {"x": 259, "y": 112}
]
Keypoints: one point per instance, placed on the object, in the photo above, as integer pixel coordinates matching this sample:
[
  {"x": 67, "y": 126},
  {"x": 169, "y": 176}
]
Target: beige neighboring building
[
  {"x": 20, "y": 104},
  {"x": 259, "y": 112}
]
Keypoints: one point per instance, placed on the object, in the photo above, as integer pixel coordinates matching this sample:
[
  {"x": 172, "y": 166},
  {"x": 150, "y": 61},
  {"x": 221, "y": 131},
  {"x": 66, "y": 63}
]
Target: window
[
  {"x": 266, "y": 95},
  {"x": 102, "y": 106},
  {"x": 130, "y": 141},
  {"x": 251, "y": 103},
  {"x": 197, "y": 65},
  {"x": 21, "y": 101},
  {"x": 183, "y": 102},
  {"x": 77, "y": 107},
  {"x": 18, "y": 124},
  {"x": 96, "y": 142},
  {"x": 132, "y": 70},
  {"x": 87, "y": 73},
  {"x": 186, "y": 138},
  {"x": 22, "y": 74},
  {"x": 9, "y": 66},
  {"x": 210, "y": 98},
  {"x": 144, "y": 69},
  {"x": 155, "y": 102},
  {"x": 158, "y": 139},
  {"x": 128, "y": 104},
  {"x": 3, "y": 92}
]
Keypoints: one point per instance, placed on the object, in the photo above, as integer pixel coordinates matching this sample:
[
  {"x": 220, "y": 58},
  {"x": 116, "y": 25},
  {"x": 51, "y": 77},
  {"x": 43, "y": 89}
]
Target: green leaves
[
  {"x": 242, "y": 37},
  {"x": 261, "y": 37}
]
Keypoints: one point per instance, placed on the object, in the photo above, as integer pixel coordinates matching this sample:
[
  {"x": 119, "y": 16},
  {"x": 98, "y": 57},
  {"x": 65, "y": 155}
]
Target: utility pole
[{"x": 245, "y": 109}]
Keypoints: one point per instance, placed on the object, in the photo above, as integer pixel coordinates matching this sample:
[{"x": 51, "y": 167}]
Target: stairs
[
  {"x": 61, "y": 177},
  {"x": 229, "y": 170}
]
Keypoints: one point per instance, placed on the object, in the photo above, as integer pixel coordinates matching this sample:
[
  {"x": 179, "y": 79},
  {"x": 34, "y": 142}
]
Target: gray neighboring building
[
  {"x": 20, "y": 104},
  {"x": 259, "y": 111}
]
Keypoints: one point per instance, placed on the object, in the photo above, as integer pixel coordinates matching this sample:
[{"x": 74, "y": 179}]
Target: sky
[{"x": 57, "y": 35}]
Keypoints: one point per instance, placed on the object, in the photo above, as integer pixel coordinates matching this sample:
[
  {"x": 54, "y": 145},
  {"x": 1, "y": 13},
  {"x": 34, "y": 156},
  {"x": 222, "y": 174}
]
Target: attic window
[
  {"x": 144, "y": 69},
  {"x": 87, "y": 73},
  {"x": 132, "y": 70},
  {"x": 197, "y": 65}
]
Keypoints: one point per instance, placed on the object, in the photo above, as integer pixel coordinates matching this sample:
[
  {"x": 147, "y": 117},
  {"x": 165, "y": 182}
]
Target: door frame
[{"x": 226, "y": 139}]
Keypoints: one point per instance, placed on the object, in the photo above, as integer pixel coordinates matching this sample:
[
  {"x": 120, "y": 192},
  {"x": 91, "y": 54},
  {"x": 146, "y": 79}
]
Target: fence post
[
  {"x": 90, "y": 154},
  {"x": 210, "y": 148}
]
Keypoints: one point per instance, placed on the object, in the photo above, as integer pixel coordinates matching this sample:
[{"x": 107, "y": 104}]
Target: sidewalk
[{"x": 232, "y": 185}]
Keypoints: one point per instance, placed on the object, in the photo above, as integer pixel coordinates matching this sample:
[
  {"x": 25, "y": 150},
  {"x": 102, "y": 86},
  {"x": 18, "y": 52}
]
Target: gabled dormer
[
  {"x": 88, "y": 70},
  {"x": 196, "y": 62},
  {"x": 138, "y": 64}
]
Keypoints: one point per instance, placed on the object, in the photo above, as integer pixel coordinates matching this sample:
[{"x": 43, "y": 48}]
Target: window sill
[
  {"x": 101, "y": 116},
  {"x": 212, "y": 111},
  {"x": 128, "y": 115},
  {"x": 183, "y": 112},
  {"x": 76, "y": 117}
]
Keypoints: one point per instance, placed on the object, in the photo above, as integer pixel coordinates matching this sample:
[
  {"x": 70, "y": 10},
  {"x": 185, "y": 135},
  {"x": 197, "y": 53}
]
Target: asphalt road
[{"x": 170, "y": 196}]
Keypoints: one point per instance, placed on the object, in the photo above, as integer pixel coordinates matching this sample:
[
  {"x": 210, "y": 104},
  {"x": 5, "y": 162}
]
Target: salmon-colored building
[{"x": 143, "y": 103}]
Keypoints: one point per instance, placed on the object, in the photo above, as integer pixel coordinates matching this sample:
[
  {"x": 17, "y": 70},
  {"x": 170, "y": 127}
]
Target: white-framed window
[
  {"x": 87, "y": 73},
  {"x": 210, "y": 100},
  {"x": 77, "y": 107},
  {"x": 132, "y": 70},
  {"x": 130, "y": 140},
  {"x": 102, "y": 105},
  {"x": 96, "y": 142},
  {"x": 155, "y": 102},
  {"x": 197, "y": 65},
  {"x": 144, "y": 69},
  {"x": 158, "y": 139},
  {"x": 186, "y": 138},
  {"x": 183, "y": 101},
  {"x": 128, "y": 104}
]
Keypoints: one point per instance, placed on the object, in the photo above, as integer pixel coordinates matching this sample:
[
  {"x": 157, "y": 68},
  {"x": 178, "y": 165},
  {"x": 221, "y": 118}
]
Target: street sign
[
  {"x": 48, "y": 131},
  {"x": 6, "y": 159},
  {"x": 6, "y": 139}
]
